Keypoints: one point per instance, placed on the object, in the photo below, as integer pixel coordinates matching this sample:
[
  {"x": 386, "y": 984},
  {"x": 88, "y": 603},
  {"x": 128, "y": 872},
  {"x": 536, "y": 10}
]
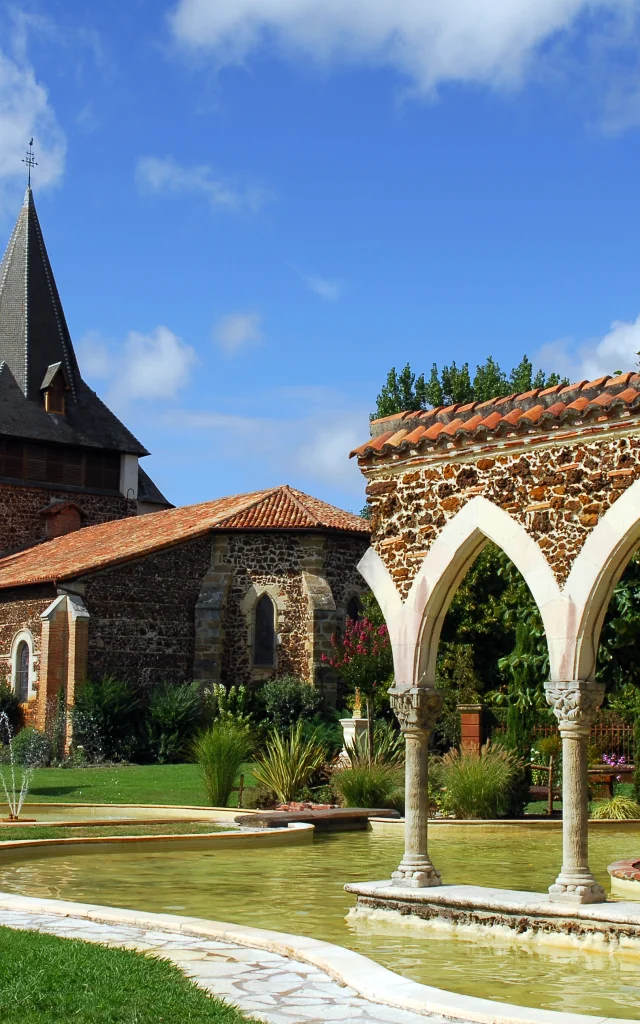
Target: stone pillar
[
  {"x": 574, "y": 704},
  {"x": 417, "y": 708}
]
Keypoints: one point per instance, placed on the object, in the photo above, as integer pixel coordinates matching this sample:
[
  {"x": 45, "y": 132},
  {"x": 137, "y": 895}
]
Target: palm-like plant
[{"x": 288, "y": 762}]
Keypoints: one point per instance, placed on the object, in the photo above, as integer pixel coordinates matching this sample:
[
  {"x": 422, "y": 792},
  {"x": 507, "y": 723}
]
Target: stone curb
[
  {"x": 268, "y": 837},
  {"x": 365, "y": 976}
]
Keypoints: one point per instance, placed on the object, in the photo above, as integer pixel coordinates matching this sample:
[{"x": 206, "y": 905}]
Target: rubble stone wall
[
  {"x": 558, "y": 492},
  {"x": 142, "y": 615},
  {"x": 22, "y": 525}
]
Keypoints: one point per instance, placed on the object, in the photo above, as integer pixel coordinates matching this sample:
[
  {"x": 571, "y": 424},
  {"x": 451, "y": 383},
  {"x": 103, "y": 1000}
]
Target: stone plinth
[
  {"x": 526, "y": 914},
  {"x": 354, "y": 732}
]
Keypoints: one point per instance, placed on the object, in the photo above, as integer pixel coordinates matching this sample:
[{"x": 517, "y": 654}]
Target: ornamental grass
[
  {"x": 370, "y": 785},
  {"x": 288, "y": 762},
  {"x": 221, "y": 751},
  {"x": 478, "y": 785},
  {"x": 619, "y": 808}
]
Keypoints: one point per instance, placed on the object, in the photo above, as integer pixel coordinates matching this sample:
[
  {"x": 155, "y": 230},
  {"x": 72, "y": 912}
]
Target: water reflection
[{"x": 300, "y": 889}]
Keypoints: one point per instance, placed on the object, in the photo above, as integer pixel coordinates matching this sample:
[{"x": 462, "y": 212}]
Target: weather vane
[{"x": 30, "y": 160}]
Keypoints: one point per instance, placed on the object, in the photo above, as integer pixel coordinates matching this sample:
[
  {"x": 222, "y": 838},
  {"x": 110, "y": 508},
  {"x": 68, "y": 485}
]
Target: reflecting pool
[{"x": 299, "y": 889}]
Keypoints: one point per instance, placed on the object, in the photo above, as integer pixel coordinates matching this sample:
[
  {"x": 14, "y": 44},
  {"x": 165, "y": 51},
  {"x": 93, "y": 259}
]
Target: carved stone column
[
  {"x": 574, "y": 704},
  {"x": 417, "y": 708}
]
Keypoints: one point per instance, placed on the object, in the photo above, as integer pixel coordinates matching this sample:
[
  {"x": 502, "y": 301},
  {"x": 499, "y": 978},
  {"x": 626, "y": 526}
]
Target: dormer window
[{"x": 53, "y": 386}]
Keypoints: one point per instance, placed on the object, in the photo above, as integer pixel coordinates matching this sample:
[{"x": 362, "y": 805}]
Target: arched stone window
[
  {"x": 23, "y": 660},
  {"x": 22, "y": 665},
  {"x": 264, "y": 643},
  {"x": 353, "y": 609}
]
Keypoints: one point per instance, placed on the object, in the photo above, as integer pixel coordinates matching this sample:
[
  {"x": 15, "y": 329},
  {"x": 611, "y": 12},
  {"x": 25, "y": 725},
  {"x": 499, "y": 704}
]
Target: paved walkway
[{"x": 265, "y": 985}]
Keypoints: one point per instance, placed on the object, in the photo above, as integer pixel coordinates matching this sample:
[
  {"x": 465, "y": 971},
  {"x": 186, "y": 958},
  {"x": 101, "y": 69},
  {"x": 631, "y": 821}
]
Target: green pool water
[{"x": 299, "y": 889}]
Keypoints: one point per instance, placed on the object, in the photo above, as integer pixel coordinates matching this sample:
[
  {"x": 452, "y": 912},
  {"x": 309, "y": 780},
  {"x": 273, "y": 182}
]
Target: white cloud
[
  {"x": 313, "y": 445},
  {"x": 616, "y": 350},
  {"x": 25, "y": 112},
  {"x": 328, "y": 289},
  {"x": 429, "y": 41},
  {"x": 143, "y": 366},
  {"x": 165, "y": 176},
  {"x": 238, "y": 330}
]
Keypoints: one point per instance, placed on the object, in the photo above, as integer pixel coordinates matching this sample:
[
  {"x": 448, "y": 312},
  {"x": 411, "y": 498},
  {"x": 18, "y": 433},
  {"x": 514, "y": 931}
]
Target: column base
[
  {"x": 576, "y": 888},
  {"x": 418, "y": 875}
]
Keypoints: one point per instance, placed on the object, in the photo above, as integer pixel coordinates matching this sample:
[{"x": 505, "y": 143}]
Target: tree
[
  {"x": 453, "y": 385},
  {"x": 402, "y": 392}
]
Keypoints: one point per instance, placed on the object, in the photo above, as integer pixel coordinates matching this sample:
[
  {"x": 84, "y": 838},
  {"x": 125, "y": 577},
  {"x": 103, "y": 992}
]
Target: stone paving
[{"x": 264, "y": 985}]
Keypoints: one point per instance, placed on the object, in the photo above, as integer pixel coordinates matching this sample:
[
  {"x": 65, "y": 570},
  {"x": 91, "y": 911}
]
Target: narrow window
[
  {"x": 353, "y": 609},
  {"x": 265, "y": 634},
  {"x": 22, "y": 671}
]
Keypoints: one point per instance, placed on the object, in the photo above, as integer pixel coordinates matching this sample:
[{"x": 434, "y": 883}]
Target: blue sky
[{"x": 254, "y": 208}]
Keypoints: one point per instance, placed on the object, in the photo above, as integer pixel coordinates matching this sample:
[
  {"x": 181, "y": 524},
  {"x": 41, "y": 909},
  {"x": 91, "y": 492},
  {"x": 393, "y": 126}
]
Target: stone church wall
[
  {"x": 142, "y": 621},
  {"x": 264, "y": 560},
  {"x": 22, "y": 525},
  {"x": 557, "y": 492}
]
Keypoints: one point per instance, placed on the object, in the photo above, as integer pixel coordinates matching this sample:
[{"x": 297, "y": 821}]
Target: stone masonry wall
[
  {"x": 142, "y": 615},
  {"x": 280, "y": 560},
  {"x": 558, "y": 493},
  {"x": 21, "y": 609},
  {"x": 22, "y": 525},
  {"x": 263, "y": 560}
]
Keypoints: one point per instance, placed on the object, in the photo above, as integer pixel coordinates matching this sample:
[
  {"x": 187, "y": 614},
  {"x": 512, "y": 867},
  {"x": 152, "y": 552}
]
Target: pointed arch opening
[{"x": 264, "y": 642}]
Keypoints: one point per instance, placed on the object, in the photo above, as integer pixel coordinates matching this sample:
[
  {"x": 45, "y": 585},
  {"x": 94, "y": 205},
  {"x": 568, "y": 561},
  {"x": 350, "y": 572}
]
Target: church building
[{"x": 101, "y": 575}]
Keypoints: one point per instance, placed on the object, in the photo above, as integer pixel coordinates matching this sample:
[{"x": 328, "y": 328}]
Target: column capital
[
  {"x": 574, "y": 703},
  {"x": 416, "y": 707}
]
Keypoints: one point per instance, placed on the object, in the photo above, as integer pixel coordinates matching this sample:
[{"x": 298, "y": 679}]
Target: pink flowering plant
[{"x": 362, "y": 657}]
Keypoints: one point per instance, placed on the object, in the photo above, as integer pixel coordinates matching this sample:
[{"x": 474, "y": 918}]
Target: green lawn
[
  {"x": 123, "y": 784},
  {"x": 48, "y": 980},
  {"x": 8, "y": 833}
]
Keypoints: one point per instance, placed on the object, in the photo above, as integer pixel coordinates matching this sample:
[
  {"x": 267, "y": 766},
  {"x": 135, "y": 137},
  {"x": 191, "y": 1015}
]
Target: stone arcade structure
[{"x": 553, "y": 478}]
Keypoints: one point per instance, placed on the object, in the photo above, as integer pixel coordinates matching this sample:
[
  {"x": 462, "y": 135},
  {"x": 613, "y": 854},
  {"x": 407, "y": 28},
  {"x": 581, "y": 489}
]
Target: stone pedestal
[
  {"x": 354, "y": 732},
  {"x": 470, "y": 728},
  {"x": 574, "y": 704},
  {"x": 417, "y": 708}
]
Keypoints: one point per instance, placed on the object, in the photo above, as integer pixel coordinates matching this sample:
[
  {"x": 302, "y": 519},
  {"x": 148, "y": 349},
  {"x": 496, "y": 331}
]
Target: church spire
[{"x": 33, "y": 330}]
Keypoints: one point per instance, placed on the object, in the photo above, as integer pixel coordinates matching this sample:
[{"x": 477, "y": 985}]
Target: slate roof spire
[
  {"x": 35, "y": 346},
  {"x": 33, "y": 328}
]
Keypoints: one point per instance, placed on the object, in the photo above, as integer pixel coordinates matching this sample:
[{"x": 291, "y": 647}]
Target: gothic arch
[
  {"x": 415, "y": 625},
  {"x": 595, "y": 573}
]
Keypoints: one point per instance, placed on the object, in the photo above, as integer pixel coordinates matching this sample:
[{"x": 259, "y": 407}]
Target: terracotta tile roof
[
  {"x": 98, "y": 547},
  {"x": 534, "y": 412}
]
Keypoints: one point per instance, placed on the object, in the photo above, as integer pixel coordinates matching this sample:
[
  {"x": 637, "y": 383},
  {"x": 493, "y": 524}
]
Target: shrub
[
  {"x": 175, "y": 713},
  {"x": 10, "y": 706},
  {"x": 479, "y": 785},
  {"x": 327, "y": 731},
  {"x": 230, "y": 705},
  {"x": 31, "y": 749},
  {"x": 221, "y": 751},
  {"x": 618, "y": 807},
  {"x": 259, "y": 798},
  {"x": 375, "y": 785},
  {"x": 106, "y": 717},
  {"x": 288, "y": 699},
  {"x": 288, "y": 763}
]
